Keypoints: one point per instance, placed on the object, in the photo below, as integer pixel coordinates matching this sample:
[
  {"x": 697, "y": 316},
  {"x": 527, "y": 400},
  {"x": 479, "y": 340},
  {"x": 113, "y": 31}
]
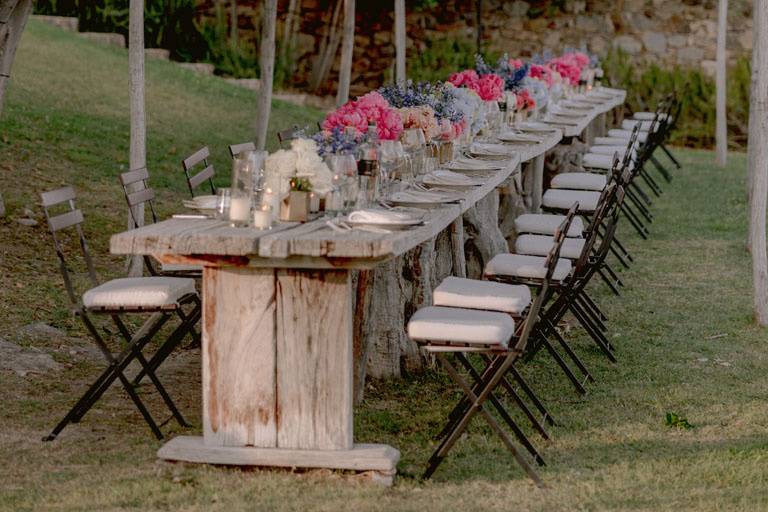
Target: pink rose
[
  {"x": 466, "y": 77},
  {"x": 489, "y": 87}
]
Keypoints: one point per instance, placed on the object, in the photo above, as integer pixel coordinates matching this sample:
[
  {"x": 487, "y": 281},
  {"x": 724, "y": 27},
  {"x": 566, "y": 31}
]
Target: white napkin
[
  {"x": 380, "y": 217},
  {"x": 485, "y": 149},
  {"x": 443, "y": 177},
  {"x": 202, "y": 202},
  {"x": 561, "y": 111},
  {"x": 472, "y": 164},
  {"x": 418, "y": 196},
  {"x": 518, "y": 137},
  {"x": 535, "y": 126}
]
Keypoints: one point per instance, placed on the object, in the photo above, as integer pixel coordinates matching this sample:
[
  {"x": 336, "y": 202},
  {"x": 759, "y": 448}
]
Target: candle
[
  {"x": 271, "y": 199},
  {"x": 262, "y": 217},
  {"x": 314, "y": 202},
  {"x": 240, "y": 209}
]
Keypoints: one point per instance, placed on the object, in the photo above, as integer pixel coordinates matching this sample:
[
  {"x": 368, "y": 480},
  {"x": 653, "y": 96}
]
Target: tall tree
[
  {"x": 233, "y": 26},
  {"x": 347, "y": 48},
  {"x": 138, "y": 149},
  {"x": 757, "y": 156},
  {"x": 721, "y": 130},
  {"x": 400, "y": 41},
  {"x": 13, "y": 19},
  {"x": 267, "y": 67},
  {"x": 479, "y": 24}
]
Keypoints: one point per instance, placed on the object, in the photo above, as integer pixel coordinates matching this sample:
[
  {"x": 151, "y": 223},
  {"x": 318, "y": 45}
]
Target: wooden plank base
[{"x": 379, "y": 458}]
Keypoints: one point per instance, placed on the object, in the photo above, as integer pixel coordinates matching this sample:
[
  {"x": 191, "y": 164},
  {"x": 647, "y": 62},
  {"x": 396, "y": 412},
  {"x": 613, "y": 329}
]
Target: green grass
[{"x": 683, "y": 329}]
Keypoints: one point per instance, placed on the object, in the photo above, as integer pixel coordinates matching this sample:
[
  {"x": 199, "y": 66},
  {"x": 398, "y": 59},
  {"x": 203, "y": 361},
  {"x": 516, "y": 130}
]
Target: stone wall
[{"x": 669, "y": 32}]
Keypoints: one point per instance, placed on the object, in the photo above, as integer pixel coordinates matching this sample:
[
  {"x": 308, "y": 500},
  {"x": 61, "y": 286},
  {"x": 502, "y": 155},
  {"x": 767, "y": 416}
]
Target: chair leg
[
  {"x": 641, "y": 193},
  {"x": 594, "y": 306},
  {"x": 662, "y": 170},
  {"x": 591, "y": 313},
  {"x": 596, "y": 336},
  {"x": 477, "y": 406},
  {"x": 647, "y": 215},
  {"x": 641, "y": 230},
  {"x": 617, "y": 243},
  {"x": 671, "y": 156},
  {"x": 547, "y": 416},
  {"x": 609, "y": 282},
  {"x": 563, "y": 365}
]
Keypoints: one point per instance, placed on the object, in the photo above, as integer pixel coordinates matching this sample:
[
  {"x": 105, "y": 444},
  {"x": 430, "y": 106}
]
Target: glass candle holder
[
  {"x": 262, "y": 217},
  {"x": 239, "y": 208}
]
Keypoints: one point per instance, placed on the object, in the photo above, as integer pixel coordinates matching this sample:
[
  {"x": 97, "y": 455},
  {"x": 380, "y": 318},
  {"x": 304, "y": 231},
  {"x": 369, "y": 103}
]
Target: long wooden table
[{"x": 277, "y": 330}]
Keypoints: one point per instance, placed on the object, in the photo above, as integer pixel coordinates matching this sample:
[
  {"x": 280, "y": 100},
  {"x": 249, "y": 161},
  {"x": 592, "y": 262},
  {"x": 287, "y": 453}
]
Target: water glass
[{"x": 223, "y": 201}]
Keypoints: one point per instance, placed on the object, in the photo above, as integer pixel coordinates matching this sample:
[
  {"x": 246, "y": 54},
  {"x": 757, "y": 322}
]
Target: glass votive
[
  {"x": 223, "y": 202},
  {"x": 239, "y": 207},
  {"x": 262, "y": 217}
]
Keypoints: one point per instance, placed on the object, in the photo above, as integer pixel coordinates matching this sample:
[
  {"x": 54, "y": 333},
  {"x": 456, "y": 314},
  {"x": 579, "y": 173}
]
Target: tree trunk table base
[{"x": 380, "y": 459}]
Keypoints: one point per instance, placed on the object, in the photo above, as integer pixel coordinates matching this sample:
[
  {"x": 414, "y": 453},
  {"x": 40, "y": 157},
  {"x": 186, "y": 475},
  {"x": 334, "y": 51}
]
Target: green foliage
[
  {"x": 238, "y": 61},
  {"x": 441, "y": 57},
  {"x": 673, "y": 420},
  {"x": 301, "y": 185},
  {"x": 648, "y": 84}
]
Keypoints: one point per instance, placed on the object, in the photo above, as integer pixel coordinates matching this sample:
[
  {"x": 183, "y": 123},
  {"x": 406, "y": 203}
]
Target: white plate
[
  {"x": 419, "y": 199},
  {"x": 469, "y": 165}
]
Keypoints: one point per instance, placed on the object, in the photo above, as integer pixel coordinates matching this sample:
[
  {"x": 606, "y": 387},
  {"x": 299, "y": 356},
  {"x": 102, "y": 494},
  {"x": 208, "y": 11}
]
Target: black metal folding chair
[
  {"x": 236, "y": 149},
  {"x": 445, "y": 331},
  {"x": 161, "y": 297},
  {"x": 196, "y": 179}
]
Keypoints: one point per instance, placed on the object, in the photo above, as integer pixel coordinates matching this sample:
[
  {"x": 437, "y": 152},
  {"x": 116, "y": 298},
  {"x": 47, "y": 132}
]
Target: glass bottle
[{"x": 368, "y": 167}]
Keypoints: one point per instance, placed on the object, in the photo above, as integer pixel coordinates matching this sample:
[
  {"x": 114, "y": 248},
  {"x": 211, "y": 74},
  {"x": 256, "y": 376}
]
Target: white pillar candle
[
  {"x": 262, "y": 217},
  {"x": 272, "y": 200},
  {"x": 314, "y": 202},
  {"x": 240, "y": 209}
]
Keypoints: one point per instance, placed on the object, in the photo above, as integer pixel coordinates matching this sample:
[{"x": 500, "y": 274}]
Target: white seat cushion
[
  {"x": 648, "y": 116},
  {"x": 610, "y": 150},
  {"x": 540, "y": 245},
  {"x": 626, "y": 134},
  {"x": 580, "y": 181},
  {"x": 435, "y": 323},
  {"x": 458, "y": 292},
  {"x": 610, "y": 141},
  {"x": 564, "y": 199},
  {"x": 629, "y": 124},
  {"x": 179, "y": 267},
  {"x": 596, "y": 161},
  {"x": 134, "y": 292},
  {"x": 547, "y": 224},
  {"x": 530, "y": 267}
]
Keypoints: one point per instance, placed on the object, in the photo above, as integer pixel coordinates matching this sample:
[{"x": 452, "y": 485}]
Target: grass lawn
[{"x": 683, "y": 328}]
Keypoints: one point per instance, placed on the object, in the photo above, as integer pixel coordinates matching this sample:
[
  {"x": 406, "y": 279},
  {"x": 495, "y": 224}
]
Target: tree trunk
[
  {"x": 400, "y": 41},
  {"x": 267, "y": 66},
  {"x": 233, "y": 26},
  {"x": 291, "y": 27},
  {"x": 347, "y": 48},
  {"x": 328, "y": 48},
  {"x": 13, "y": 18},
  {"x": 479, "y": 24},
  {"x": 138, "y": 150},
  {"x": 757, "y": 154},
  {"x": 721, "y": 130}
]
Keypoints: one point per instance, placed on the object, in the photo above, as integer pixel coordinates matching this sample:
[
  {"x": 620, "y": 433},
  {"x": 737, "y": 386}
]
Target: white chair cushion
[
  {"x": 547, "y": 224},
  {"x": 596, "y": 161},
  {"x": 458, "y": 292},
  {"x": 564, "y": 199},
  {"x": 540, "y": 245},
  {"x": 530, "y": 267},
  {"x": 179, "y": 267},
  {"x": 626, "y": 134},
  {"x": 610, "y": 141},
  {"x": 131, "y": 292},
  {"x": 629, "y": 124},
  {"x": 648, "y": 116},
  {"x": 435, "y": 323},
  {"x": 610, "y": 150},
  {"x": 580, "y": 181}
]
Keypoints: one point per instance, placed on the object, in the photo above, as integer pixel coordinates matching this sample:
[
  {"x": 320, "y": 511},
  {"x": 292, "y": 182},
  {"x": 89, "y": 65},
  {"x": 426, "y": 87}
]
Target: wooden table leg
[
  {"x": 277, "y": 374},
  {"x": 537, "y": 184}
]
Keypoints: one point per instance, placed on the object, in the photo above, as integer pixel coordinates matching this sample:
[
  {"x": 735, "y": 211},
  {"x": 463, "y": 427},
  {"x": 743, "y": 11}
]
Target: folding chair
[
  {"x": 159, "y": 296},
  {"x": 236, "y": 149},
  {"x": 195, "y": 180},
  {"x": 288, "y": 135},
  {"x": 445, "y": 331}
]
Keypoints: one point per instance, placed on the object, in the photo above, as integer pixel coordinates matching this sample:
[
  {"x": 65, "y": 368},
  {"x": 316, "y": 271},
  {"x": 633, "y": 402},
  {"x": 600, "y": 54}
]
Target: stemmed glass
[
  {"x": 344, "y": 170},
  {"x": 391, "y": 155}
]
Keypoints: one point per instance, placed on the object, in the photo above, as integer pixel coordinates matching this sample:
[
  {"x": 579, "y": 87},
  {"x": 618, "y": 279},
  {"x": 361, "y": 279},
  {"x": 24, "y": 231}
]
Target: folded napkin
[
  {"x": 561, "y": 111},
  {"x": 535, "y": 126},
  {"x": 473, "y": 164},
  {"x": 202, "y": 202},
  {"x": 381, "y": 217},
  {"x": 485, "y": 149},
  {"x": 519, "y": 137},
  {"x": 443, "y": 177},
  {"x": 577, "y": 104},
  {"x": 419, "y": 196}
]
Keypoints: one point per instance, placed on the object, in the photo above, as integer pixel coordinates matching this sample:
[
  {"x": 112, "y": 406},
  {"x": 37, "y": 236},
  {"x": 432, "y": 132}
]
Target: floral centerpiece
[
  {"x": 301, "y": 161},
  {"x": 336, "y": 141},
  {"x": 489, "y": 87},
  {"x": 359, "y": 113},
  {"x": 427, "y": 106}
]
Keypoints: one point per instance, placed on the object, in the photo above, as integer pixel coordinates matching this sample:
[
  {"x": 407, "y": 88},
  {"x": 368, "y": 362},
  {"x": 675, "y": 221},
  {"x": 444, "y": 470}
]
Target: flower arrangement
[
  {"x": 428, "y": 106},
  {"x": 512, "y": 71},
  {"x": 570, "y": 66},
  {"x": 421, "y": 117},
  {"x": 464, "y": 78},
  {"x": 359, "y": 113},
  {"x": 524, "y": 101},
  {"x": 301, "y": 161},
  {"x": 490, "y": 87},
  {"x": 471, "y": 106},
  {"x": 335, "y": 142}
]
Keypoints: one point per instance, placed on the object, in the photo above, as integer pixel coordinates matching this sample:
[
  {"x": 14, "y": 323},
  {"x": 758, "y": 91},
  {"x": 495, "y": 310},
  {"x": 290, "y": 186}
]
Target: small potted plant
[{"x": 295, "y": 207}]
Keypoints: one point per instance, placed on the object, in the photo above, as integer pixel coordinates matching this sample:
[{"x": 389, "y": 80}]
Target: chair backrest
[
  {"x": 137, "y": 192},
  {"x": 57, "y": 222},
  {"x": 551, "y": 264},
  {"x": 604, "y": 206},
  {"x": 236, "y": 149},
  {"x": 194, "y": 180},
  {"x": 288, "y": 134}
]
